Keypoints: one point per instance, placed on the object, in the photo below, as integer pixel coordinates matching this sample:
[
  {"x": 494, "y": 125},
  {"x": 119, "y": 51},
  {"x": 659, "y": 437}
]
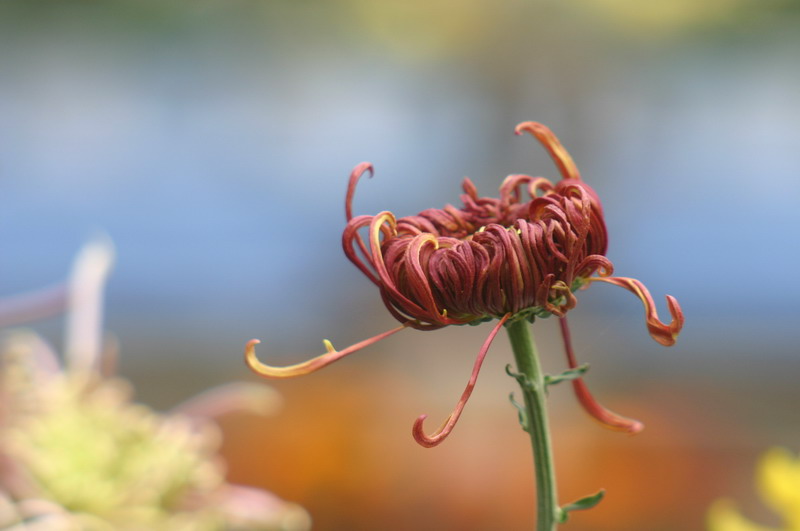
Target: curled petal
[
  {"x": 470, "y": 189},
  {"x": 312, "y": 365},
  {"x": 355, "y": 175},
  {"x": 595, "y": 263},
  {"x": 429, "y": 441},
  {"x": 540, "y": 186},
  {"x": 560, "y": 155},
  {"x": 417, "y": 279},
  {"x": 509, "y": 189},
  {"x": 350, "y": 237},
  {"x": 604, "y": 416},
  {"x": 663, "y": 333},
  {"x": 385, "y": 224},
  {"x": 350, "y": 233},
  {"x": 569, "y": 299}
]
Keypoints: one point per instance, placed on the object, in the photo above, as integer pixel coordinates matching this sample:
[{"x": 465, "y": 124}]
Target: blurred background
[{"x": 212, "y": 141}]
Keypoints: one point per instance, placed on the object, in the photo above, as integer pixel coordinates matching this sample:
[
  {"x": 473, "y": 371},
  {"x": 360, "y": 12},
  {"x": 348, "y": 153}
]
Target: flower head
[
  {"x": 491, "y": 257},
  {"x": 521, "y": 255}
]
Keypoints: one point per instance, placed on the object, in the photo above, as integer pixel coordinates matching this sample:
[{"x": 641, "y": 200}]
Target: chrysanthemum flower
[{"x": 521, "y": 255}]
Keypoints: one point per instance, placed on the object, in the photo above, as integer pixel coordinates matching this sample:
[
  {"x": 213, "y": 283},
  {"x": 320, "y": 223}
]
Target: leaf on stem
[
  {"x": 570, "y": 374},
  {"x": 582, "y": 504}
]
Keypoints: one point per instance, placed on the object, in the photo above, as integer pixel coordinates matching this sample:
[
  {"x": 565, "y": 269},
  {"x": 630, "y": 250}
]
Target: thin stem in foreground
[{"x": 534, "y": 420}]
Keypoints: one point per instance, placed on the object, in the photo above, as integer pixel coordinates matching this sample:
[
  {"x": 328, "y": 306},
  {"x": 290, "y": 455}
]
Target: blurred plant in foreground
[
  {"x": 778, "y": 482},
  {"x": 77, "y": 453}
]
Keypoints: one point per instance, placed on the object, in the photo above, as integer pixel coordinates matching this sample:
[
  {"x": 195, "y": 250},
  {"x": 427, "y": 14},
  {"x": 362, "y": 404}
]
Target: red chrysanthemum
[{"x": 521, "y": 255}]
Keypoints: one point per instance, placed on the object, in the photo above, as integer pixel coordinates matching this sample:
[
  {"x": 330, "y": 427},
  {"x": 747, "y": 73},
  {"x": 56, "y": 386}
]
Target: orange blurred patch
[{"x": 342, "y": 447}]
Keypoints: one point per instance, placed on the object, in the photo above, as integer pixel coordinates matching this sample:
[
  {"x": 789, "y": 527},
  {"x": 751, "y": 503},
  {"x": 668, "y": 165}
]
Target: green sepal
[
  {"x": 582, "y": 504},
  {"x": 578, "y": 283},
  {"x": 524, "y": 422},
  {"x": 530, "y": 314},
  {"x": 480, "y": 320},
  {"x": 570, "y": 374}
]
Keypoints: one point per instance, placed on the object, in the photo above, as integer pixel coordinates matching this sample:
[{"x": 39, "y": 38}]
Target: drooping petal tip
[
  {"x": 418, "y": 432},
  {"x": 663, "y": 333},
  {"x": 355, "y": 175},
  {"x": 314, "y": 364},
  {"x": 604, "y": 416},
  {"x": 429, "y": 441}
]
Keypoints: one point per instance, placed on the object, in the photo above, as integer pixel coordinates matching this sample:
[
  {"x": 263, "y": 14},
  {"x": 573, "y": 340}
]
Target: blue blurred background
[{"x": 212, "y": 141}]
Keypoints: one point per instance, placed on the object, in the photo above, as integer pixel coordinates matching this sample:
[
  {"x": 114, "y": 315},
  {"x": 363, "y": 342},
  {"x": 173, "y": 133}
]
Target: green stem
[{"x": 532, "y": 381}]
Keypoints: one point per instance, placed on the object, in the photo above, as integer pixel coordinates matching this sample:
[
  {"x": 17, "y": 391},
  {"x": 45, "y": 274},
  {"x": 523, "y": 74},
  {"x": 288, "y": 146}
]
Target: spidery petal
[
  {"x": 312, "y": 365},
  {"x": 355, "y": 175},
  {"x": 603, "y": 415},
  {"x": 663, "y": 333},
  {"x": 553, "y": 146},
  {"x": 441, "y": 434}
]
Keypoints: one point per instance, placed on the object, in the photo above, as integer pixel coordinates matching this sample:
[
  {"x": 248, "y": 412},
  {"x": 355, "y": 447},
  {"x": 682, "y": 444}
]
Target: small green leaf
[
  {"x": 577, "y": 284},
  {"x": 523, "y": 414},
  {"x": 580, "y": 505},
  {"x": 570, "y": 374}
]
